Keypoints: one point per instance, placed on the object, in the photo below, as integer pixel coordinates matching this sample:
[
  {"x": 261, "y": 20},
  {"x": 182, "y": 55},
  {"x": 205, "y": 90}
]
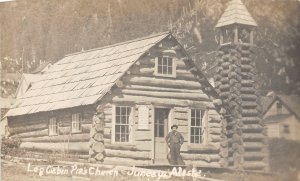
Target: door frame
[{"x": 170, "y": 117}]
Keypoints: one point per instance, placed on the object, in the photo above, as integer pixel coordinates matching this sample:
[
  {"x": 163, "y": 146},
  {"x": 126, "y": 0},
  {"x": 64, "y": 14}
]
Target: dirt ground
[{"x": 11, "y": 171}]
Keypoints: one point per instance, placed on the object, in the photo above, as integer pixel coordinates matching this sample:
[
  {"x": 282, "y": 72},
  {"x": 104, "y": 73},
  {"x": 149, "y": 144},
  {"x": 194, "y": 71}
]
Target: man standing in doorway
[{"x": 175, "y": 140}]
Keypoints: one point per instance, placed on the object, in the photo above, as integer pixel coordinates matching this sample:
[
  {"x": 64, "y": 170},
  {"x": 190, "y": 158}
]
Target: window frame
[
  {"x": 173, "y": 75},
  {"x": 79, "y": 130},
  {"x": 203, "y": 127},
  {"x": 51, "y": 127},
  {"x": 130, "y": 124}
]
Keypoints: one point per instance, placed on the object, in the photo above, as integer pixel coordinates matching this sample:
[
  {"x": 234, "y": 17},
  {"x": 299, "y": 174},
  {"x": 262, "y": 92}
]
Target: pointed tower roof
[{"x": 236, "y": 12}]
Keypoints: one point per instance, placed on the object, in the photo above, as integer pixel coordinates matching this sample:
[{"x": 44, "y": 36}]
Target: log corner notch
[{"x": 97, "y": 148}]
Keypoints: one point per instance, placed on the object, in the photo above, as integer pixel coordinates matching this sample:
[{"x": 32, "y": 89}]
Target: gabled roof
[
  {"x": 82, "y": 78},
  {"x": 266, "y": 102},
  {"x": 236, "y": 13},
  {"x": 25, "y": 82},
  {"x": 41, "y": 68},
  {"x": 291, "y": 102}
]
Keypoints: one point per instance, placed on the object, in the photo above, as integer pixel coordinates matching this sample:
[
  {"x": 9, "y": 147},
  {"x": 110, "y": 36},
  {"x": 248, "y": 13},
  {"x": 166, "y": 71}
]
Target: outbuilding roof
[
  {"x": 291, "y": 102},
  {"x": 82, "y": 78},
  {"x": 236, "y": 13}
]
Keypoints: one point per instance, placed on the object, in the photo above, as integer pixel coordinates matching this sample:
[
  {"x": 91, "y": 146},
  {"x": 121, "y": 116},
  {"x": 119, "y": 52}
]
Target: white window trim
[
  {"x": 53, "y": 127},
  {"x": 76, "y": 123},
  {"x": 131, "y": 124},
  {"x": 173, "y": 75},
  {"x": 204, "y": 127}
]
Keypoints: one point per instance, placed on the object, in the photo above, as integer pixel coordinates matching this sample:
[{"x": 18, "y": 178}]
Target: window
[
  {"x": 76, "y": 127},
  {"x": 165, "y": 66},
  {"x": 286, "y": 129},
  {"x": 279, "y": 107},
  {"x": 122, "y": 124},
  {"x": 197, "y": 126},
  {"x": 52, "y": 126}
]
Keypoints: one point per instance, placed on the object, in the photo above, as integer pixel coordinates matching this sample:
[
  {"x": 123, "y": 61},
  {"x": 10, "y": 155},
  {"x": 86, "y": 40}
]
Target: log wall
[
  {"x": 34, "y": 134},
  {"x": 237, "y": 88},
  {"x": 141, "y": 87}
]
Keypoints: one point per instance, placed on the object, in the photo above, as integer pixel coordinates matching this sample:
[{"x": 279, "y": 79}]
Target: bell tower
[{"x": 237, "y": 88}]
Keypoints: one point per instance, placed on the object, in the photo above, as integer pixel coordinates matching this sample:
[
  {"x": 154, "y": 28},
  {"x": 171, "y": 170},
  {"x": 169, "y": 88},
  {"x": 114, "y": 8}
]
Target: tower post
[{"x": 236, "y": 86}]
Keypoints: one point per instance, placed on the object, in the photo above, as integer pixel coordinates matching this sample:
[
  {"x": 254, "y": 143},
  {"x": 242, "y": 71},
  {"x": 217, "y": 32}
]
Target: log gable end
[{"x": 142, "y": 89}]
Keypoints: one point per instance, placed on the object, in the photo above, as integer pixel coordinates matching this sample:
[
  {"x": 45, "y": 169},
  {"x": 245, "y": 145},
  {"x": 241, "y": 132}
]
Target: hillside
[{"x": 33, "y": 31}]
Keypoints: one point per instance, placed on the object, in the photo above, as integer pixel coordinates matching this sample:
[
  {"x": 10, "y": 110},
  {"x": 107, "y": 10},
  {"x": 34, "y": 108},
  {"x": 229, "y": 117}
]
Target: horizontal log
[
  {"x": 250, "y": 112},
  {"x": 200, "y": 149},
  {"x": 251, "y": 120},
  {"x": 214, "y": 138},
  {"x": 214, "y": 125},
  {"x": 85, "y": 128},
  {"x": 160, "y": 89},
  {"x": 248, "y": 90},
  {"x": 163, "y": 82},
  {"x": 252, "y": 128},
  {"x": 247, "y": 83},
  {"x": 253, "y": 137},
  {"x": 215, "y": 131},
  {"x": 181, "y": 109},
  {"x": 249, "y": 97},
  {"x": 38, "y": 133},
  {"x": 175, "y": 95},
  {"x": 161, "y": 101},
  {"x": 249, "y": 104},
  {"x": 143, "y": 135},
  {"x": 180, "y": 116},
  {"x": 138, "y": 146},
  {"x": 72, "y": 147},
  {"x": 204, "y": 157},
  {"x": 254, "y": 156},
  {"x": 27, "y": 128},
  {"x": 126, "y": 161},
  {"x": 254, "y": 165},
  {"x": 199, "y": 163},
  {"x": 59, "y": 138},
  {"x": 253, "y": 146},
  {"x": 246, "y": 67},
  {"x": 144, "y": 155}
]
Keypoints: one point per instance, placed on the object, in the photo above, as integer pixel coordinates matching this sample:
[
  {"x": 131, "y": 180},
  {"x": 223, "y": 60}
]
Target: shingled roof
[
  {"x": 236, "y": 13},
  {"x": 82, "y": 78}
]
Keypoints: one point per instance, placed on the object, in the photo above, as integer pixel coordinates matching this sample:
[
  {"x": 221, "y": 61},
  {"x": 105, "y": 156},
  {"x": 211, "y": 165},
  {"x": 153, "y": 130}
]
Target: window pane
[
  {"x": 117, "y": 110},
  {"x": 170, "y": 70},
  {"x": 198, "y": 122},
  {"x": 193, "y": 122},
  {"x": 192, "y": 139},
  {"x": 165, "y": 61},
  {"x": 117, "y": 129},
  {"x": 198, "y": 113},
  {"x": 159, "y": 70},
  {"x": 117, "y": 137},
  {"x": 165, "y": 69},
  {"x": 161, "y": 130},
  {"x": 123, "y": 111},
  {"x": 118, "y": 119},
  {"x": 159, "y": 61},
  {"x": 170, "y": 62}
]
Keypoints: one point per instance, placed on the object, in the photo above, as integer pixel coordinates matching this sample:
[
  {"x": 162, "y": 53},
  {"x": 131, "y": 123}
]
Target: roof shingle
[
  {"x": 236, "y": 13},
  {"x": 82, "y": 78}
]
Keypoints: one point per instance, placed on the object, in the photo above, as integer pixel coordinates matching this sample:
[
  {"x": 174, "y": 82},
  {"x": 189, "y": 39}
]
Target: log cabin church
[{"x": 142, "y": 87}]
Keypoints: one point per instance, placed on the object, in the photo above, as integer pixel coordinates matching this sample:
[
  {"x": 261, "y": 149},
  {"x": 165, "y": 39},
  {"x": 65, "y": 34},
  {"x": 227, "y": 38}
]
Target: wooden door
[{"x": 161, "y": 119}]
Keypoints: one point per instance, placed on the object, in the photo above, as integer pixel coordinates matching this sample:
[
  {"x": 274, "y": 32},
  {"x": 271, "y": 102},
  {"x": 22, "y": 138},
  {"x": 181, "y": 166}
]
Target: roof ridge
[{"x": 120, "y": 43}]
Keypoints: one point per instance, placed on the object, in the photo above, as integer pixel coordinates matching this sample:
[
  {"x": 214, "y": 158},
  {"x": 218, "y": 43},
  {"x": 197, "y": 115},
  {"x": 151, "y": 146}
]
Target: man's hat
[{"x": 174, "y": 125}]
